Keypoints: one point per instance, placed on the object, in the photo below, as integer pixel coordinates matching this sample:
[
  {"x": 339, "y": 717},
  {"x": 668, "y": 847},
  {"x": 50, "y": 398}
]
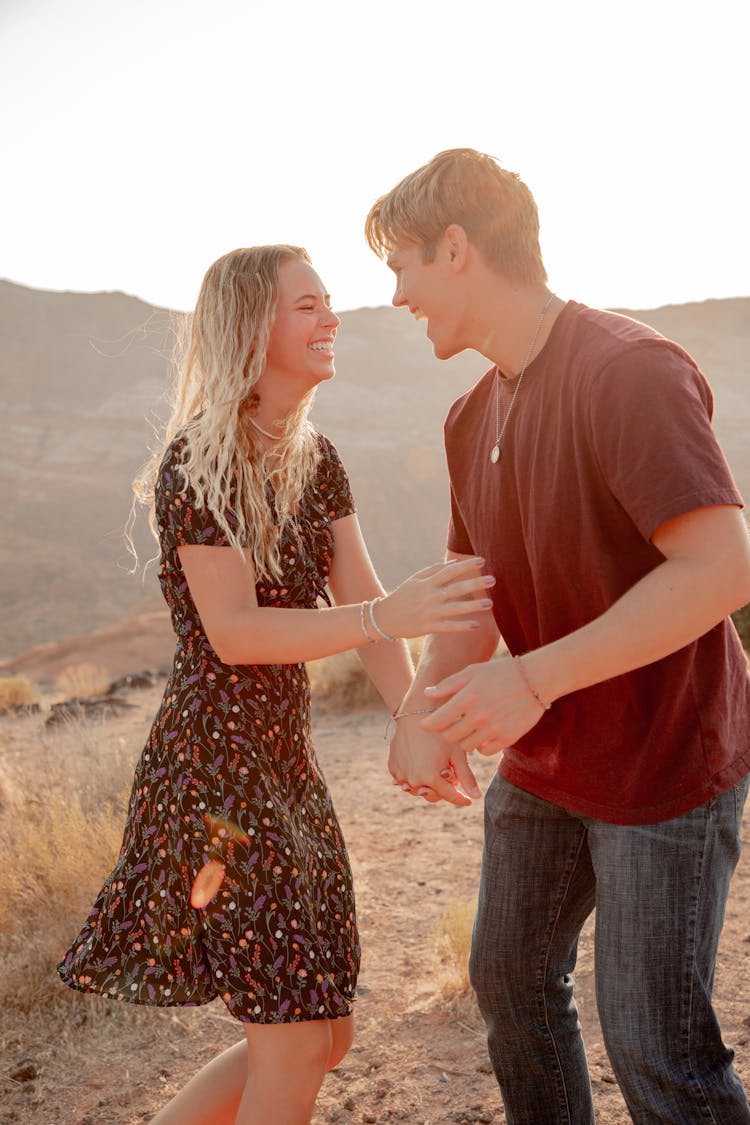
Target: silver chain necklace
[
  {"x": 497, "y": 449},
  {"x": 273, "y": 437}
]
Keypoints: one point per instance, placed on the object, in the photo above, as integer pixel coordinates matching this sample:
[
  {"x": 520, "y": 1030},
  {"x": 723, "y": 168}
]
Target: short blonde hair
[{"x": 469, "y": 188}]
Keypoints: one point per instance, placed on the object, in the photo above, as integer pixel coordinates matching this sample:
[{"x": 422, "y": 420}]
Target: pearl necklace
[
  {"x": 497, "y": 449},
  {"x": 272, "y": 437}
]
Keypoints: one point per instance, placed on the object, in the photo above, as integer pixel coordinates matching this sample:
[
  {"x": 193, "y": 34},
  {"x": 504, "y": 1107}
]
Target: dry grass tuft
[
  {"x": 83, "y": 680},
  {"x": 453, "y": 946},
  {"x": 342, "y": 680},
  {"x": 58, "y": 839},
  {"x": 16, "y": 691}
]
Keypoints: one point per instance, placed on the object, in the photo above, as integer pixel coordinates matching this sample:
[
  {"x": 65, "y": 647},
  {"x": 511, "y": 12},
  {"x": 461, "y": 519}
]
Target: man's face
[{"x": 427, "y": 289}]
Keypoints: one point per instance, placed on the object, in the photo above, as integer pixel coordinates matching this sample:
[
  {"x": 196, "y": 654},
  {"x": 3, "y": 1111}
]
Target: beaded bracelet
[
  {"x": 371, "y": 610},
  {"x": 527, "y": 682}
]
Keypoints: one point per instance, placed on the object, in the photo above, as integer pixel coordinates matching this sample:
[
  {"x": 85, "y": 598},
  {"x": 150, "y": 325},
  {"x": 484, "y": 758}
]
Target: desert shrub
[
  {"x": 60, "y": 835},
  {"x": 52, "y": 856},
  {"x": 342, "y": 679},
  {"x": 16, "y": 691},
  {"x": 83, "y": 680},
  {"x": 454, "y": 927}
]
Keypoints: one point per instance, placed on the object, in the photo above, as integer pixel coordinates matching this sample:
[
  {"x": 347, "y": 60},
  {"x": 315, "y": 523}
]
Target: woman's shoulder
[
  {"x": 330, "y": 458},
  {"x": 332, "y": 479},
  {"x": 172, "y": 458}
]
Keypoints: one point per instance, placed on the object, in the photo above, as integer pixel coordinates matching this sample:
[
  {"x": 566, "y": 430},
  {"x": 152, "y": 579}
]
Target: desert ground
[{"x": 419, "y": 1054}]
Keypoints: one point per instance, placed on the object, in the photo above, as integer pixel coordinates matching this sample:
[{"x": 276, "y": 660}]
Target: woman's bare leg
[
  {"x": 288, "y": 1063},
  {"x": 213, "y": 1096}
]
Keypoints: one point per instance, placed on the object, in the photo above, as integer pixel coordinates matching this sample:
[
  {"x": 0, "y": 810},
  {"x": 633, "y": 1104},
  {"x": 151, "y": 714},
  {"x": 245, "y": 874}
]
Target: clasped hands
[{"x": 485, "y": 708}]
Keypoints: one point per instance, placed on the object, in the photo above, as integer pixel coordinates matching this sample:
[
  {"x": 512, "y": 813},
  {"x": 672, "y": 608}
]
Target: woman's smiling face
[{"x": 300, "y": 346}]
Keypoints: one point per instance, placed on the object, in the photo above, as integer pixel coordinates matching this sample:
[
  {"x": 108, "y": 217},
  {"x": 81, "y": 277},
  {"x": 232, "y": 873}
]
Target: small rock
[
  {"x": 21, "y": 710},
  {"x": 334, "y": 1114},
  {"x": 369, "y": 1118},
  {"x": 132, "y": 682},
  {"x": 350, "y": 1105},
  {"x": 484, "y": 1067},
  {"x": 25, "y": 1072}
]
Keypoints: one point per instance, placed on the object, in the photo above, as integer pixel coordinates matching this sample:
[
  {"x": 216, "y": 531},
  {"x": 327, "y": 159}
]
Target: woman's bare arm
[{"x": 222, "y": 585}]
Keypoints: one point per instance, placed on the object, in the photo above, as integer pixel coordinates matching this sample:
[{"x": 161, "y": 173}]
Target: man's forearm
[
  {"x": 444, "y": 654},
  {"x": 669, "y": 608}
]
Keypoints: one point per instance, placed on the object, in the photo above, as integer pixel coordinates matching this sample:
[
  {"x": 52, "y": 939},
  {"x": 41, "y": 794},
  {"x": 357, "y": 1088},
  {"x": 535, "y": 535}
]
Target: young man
[{"x": 584, "y": 470}]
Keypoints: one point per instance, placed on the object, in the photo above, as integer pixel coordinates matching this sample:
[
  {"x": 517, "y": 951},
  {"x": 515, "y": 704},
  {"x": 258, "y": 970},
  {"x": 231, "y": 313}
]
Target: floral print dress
[{"x": 229, "y": 777}]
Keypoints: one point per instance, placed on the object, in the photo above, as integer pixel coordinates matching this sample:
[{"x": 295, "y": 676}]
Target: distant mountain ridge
[{"x": 84, "y": 378}]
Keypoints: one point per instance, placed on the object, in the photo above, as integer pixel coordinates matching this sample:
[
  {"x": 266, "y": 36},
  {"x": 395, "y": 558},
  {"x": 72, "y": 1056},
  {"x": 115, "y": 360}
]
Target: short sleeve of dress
[
  {"x": 334, "y": 483},
  {"x": 179, "y": 520}
]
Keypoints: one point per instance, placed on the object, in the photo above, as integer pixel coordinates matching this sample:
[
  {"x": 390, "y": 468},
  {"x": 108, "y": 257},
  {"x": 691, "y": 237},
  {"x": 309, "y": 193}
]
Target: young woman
[{"x": 233, "y": 879}]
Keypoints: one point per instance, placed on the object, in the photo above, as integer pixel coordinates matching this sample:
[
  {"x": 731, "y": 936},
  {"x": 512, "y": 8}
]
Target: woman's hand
[{"x": 444, "y": 598}]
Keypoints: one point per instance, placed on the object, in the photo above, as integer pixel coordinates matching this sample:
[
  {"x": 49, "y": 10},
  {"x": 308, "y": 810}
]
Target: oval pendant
[{"x": 495, "y": 455}]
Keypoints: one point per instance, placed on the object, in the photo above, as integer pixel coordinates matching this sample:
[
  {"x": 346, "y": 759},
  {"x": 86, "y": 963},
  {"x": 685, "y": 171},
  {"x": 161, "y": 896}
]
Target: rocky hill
[{"x": 84, "y": 378}]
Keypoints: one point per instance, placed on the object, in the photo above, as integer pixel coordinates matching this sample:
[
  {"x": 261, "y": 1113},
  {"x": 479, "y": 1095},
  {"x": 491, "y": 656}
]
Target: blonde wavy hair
[
  {"x": 214, "y": 397},
  {"x": 470, "y": 188}
]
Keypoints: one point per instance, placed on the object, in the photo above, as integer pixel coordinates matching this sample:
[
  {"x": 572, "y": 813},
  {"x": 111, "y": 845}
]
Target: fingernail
[
  {"x": 489, "y": 580},
  {"x": 486, "y": 603},
  {"x": 478, "y": 561},
  {"x": 430, "y": 690}
]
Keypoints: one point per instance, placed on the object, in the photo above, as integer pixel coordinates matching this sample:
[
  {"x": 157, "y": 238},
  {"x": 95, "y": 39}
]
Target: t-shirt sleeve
[
  {"x": 179, "y": 520},
  {"x": 334, "y": 483},
  {"x": 650, "y": 417},
  {"x": 458, "y": 537}
]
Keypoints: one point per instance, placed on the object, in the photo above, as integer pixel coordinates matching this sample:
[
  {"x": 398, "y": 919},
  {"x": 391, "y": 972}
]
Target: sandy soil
[{"x": 418, "y": 1056}]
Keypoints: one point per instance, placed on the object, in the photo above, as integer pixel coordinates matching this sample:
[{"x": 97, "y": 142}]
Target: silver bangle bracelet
[
  {"x": 363, "y": 625},
  {"x": 381, "y": 632}
]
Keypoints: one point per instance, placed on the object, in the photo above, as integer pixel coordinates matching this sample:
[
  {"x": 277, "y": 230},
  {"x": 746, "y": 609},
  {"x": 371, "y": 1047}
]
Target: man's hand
[
  {"x": 425, "y": 765},
  {"x": 489, "y": 707}
]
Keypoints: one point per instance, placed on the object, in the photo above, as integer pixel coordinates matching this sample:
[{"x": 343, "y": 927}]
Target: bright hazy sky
[{"x": 141, "y": 139}]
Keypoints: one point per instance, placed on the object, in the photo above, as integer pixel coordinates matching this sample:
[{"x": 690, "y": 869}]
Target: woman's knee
[{"x": 300, "y": 1048}]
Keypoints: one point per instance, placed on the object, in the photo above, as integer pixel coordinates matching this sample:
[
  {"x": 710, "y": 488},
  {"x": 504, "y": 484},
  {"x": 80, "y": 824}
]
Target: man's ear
[{"x": 456, "y": 246}]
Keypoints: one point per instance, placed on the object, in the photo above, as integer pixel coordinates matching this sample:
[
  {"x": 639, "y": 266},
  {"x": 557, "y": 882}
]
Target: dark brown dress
[{"x": 229, "y": 774}]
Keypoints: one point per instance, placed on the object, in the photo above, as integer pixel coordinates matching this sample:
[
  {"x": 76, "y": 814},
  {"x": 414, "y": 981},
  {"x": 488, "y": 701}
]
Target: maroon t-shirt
[{"x": 610, "y": 436}]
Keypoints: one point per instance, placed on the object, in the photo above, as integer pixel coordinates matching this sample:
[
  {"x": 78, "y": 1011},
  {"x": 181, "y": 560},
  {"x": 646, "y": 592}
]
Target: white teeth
[{"x": 327, "y": 348}]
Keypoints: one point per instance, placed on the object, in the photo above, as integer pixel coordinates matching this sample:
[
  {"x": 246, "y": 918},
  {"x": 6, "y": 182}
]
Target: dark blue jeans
[{"x": 660, "y": 893}]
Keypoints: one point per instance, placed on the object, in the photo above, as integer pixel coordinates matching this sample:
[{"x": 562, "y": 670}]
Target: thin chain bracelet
[
  {"x": 527, "y": 682},
  {"x": 390, "y": 726},
  {"x": 371, "y": 610}
]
